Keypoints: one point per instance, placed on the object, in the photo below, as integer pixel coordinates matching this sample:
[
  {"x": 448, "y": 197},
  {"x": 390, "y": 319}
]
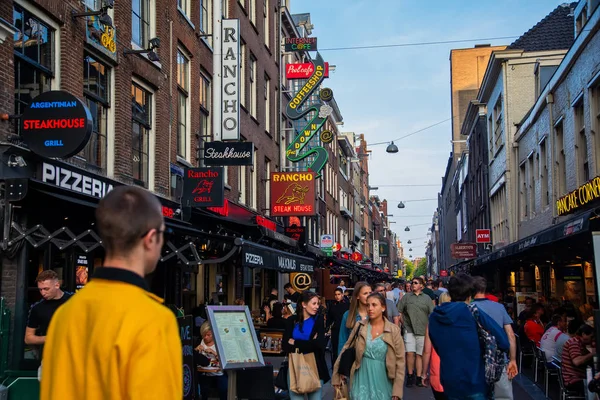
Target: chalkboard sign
[
  {"x": 186, "y": 331},
  {"x": 237, "y": 343}
]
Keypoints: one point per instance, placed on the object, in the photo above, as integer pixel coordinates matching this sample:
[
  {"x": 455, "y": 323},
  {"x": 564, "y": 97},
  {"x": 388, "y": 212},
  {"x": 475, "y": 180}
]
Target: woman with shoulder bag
[
  {"x": 356, "y": 312},
  {"x": 306, "y": 334},
  {"x": 378, "y": 369}
]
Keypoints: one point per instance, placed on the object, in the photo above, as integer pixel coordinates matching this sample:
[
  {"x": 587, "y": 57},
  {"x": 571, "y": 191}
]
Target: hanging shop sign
[
  {"x": 75, "y": 181},
  {"x": 300, "y": 281},
  {"x": 326, "y": 241},
  {"x": 298, "y": 233},
  {"x": 444, "y": 273},
  {"x": 578, "y": 198},
  {"x": 102, "y": 37},
  {"x": 318, "y": 111},
  {"x": 203, "y": 187},
  {"x": 292, "y": 193},
  {"x": 482, "y": 236},
  {"x": 463, "y": 250},
  {"x": 230, "y": 87},
  {"x": 300, "y": 44},
  {"x": 303, "y": 70},
  {"x": 376, "y": 256},
  {"x": 228, "y": 153},
  {"x": 186, "y": 331},
  {"x": 56, "y": 125}
]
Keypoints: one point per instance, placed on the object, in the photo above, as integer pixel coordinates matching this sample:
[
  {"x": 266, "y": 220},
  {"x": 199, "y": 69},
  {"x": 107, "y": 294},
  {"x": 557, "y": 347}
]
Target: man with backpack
[
  {"x": 466, "y": 370},
  {"x": 497, "y": 312}
]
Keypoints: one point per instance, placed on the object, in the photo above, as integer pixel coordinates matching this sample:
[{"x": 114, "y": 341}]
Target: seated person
[
  {"x": 207, "y": 380},
  {"x": 552, "y": 335},
  {"x": 572, "y": 328},
  {"x": 275, "y": 320},
  {"x": 576, "y": 357},
  {"x": 534, "y": 328}
]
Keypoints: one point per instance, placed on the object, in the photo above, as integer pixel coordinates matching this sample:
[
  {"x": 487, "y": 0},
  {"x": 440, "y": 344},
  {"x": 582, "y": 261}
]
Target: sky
[{"x": 387, "y": 93}]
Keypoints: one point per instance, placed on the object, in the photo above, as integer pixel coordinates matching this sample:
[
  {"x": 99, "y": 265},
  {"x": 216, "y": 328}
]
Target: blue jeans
[
  {"x": 310, "y": 396},
  {"x": 476, "y": 396}
]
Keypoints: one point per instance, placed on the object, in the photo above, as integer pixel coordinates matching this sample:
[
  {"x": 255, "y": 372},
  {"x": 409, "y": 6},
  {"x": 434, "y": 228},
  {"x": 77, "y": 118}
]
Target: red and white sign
[
  {"x": 444, "y": 273},
  {"x": 482, "y": 236},
  {"x": 463, "y": 250},
  {"x": 302, "y": 71}
]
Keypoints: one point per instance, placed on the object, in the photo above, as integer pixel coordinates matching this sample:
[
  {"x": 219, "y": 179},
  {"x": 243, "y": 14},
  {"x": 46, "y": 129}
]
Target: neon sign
[{"x": 294, "y": 151}]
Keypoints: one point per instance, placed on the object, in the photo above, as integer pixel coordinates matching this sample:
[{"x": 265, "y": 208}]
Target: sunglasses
[{"x": 416, "y": 282}]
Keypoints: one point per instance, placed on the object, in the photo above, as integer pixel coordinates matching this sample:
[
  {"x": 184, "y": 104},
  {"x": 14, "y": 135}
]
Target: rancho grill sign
[{"x": 584, "y": 194}]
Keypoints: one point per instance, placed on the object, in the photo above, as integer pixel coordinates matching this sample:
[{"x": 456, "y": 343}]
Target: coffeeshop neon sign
[{"x": 586, "y": 193}]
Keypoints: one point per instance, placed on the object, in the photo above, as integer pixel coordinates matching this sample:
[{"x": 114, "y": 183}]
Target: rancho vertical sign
[
  {"x": 230, "y": 93},
  {"x": 292, "y": 193},
  {"x": 203, "y": 187}
]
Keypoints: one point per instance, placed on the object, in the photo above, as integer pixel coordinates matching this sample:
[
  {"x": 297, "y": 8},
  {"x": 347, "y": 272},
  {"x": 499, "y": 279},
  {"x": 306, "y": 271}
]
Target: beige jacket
[{"x": 394, "y": 358}]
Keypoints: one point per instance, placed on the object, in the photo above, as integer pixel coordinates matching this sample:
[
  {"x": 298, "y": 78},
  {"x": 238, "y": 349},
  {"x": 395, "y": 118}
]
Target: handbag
[
  {"x": 341, "y": 392},
  {"x": 348, "y": 357},
  {"x": 281, "y": 380},
  {"x": 304, "y": 376}
]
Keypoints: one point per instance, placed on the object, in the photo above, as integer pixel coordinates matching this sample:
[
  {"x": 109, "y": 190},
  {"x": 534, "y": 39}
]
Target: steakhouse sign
[
  {"x": 579, "y": 197},
  {"x": 292, "y": 193}
]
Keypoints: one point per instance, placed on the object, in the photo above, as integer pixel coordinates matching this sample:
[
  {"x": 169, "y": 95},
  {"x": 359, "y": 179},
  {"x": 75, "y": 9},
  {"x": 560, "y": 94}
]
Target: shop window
[
  {"x": 140, "y": 22},
  {"x": 34, "y": 58},
  {"x": 267, "y": 104},
  {"x": 183, "y": 100},
  {"x": 595, "y": 118},
  {"x": 141, "y": 129},
  {"x": 96, "y": 89},
  {"x": 253, "y": 85}
]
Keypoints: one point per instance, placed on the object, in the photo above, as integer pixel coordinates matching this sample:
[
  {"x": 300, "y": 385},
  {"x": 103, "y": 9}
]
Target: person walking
[
  {"x": 306, "y": 333},
  {"x": 334, "y": 319},
  {"x": 391, "y": 310},
  {"x": 431, "y": 360},
  {"x": 414, "y": 309},
  {"x": 503, "y": 388},
  {"x": 114, "y": 339},
  {"x": 454, "y": 336},
  {"x": 378, "y": 369},
  {"x": 356, "y": 312}
]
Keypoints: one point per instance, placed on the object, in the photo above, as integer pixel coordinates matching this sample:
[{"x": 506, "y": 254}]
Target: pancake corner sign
[
  {"x": 584, "y": 194},
  {"x": 56, "y": 125}
]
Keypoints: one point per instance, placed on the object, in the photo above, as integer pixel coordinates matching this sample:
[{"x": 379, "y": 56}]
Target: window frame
[
  {"x": 267, "y": 99},
  {"x": 253, "y": 84},
  {"x": 183, "y": 100},
  {"x": 146, "y": 8},
  {"x": 147, "y": 127}
]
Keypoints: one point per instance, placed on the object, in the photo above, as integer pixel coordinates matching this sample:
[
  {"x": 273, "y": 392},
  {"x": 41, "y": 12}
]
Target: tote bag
[{"x": 304, "y": 376}]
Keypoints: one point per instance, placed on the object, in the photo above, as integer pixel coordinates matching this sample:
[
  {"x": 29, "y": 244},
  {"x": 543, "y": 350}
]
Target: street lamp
[
  {"x": 392, "y": 148},
  {"x": 409, "y": 242},
  {"x": 401, "y": 205},
  {"x": 407, "y": 229}
]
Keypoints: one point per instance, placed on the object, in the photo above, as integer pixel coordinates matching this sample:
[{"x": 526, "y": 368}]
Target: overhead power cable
[
  {"x": 407, "y": 185},
  {"x": 410, "y": 134},
  {"x": 387, "y": 46}
]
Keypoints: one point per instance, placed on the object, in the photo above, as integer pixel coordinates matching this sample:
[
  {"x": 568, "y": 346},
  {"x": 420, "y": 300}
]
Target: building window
[
  {"x": 267, "y": 186},
  {"x": 267, "y": 103},
  {"x": 224, "y": 8},
  {"x": 498, "y": 125},
  {"x": 243, "y": 73},
  {"x": 490, "y": 139},
  {"x": 543, "y": 170},
  {"x": 561, "y": 163},
  {"x": 531, "y": 186},
  {"x": 595, "y": 118},
  {"x": 184, "y": 6},
  {"x": 254, "y": 183},
  {"x": 141, "y": 118},
  {"x": 523, "y": 191},
  {"x": 583, "y": 170},
  {"x": 499, "y": 217},
  {"x": 140, "y": 22},
  {"x": 206, "y": 11},
  {"x": 266, "y": 22},
  {"x": 183, "y": 71},
  {"x": 34, "y": 58},
  {"x": 96, "y": 89},
  {"x": 252, "y": 11},
  {"x": 242, "y": 185},
  {"x": 253, "y": 87}
]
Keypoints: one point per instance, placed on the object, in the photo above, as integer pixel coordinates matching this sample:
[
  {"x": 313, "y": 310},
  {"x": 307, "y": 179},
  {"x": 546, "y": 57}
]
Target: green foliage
[
  {"x": 421, "y": 268},
  {"x": 410, "y": 268}
]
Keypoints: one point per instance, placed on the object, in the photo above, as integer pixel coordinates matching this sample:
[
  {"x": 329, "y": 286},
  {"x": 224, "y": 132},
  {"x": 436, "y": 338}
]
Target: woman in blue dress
[
  {"x": 378, "y": 371},
  {"x": 356, "y": 312}
]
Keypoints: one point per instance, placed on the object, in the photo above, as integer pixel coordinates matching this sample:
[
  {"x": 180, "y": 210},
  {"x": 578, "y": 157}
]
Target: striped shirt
[{"x": 573, "y": 349}]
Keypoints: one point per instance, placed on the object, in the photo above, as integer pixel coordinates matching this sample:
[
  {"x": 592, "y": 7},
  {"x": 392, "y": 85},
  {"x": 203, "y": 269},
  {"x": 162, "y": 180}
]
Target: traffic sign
[{"x": 482, "y": 236}]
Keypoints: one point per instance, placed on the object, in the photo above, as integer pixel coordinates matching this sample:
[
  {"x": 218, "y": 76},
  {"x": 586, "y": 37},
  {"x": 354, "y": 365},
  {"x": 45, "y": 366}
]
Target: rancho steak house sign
[{"x": 586, "y": 193}]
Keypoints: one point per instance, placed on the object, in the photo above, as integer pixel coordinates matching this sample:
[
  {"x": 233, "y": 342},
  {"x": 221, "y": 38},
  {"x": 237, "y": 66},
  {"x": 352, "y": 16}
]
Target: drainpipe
[{"x": 551, "y": 150}]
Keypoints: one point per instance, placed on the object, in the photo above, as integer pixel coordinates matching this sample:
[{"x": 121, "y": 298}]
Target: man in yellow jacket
[{"x": 114, "y": 339}]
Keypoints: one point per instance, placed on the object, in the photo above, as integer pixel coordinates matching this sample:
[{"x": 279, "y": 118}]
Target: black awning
[
  {"x": 574, "y": 226},
  {"x": 255, "y": 255}
]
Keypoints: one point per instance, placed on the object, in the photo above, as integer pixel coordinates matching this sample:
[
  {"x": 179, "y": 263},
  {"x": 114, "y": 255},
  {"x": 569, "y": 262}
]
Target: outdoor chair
[
  {"x": 566, "y": 394},
  {"x": 549, "y": 369},
  {"x": 524, "y": 350}
]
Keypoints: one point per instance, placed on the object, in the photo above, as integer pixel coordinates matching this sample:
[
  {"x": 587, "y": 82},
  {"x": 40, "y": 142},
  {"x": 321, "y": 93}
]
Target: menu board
[
  {"x": 186, "y": 328},
  {"x": 81, "y": 271},
  {"x": 235, "y": 337}
]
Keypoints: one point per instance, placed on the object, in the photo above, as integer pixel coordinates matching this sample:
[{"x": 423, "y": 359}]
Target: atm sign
[{"x": 483, "y": 236}]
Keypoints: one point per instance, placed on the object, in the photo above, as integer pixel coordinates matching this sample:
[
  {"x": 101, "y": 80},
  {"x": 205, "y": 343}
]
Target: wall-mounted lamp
[
  {"x": 154, "y": 43},
  {"x": 102, "y": 13},
  {"x": 373, "y": 188},
  {"x": 16, "y": 161}
]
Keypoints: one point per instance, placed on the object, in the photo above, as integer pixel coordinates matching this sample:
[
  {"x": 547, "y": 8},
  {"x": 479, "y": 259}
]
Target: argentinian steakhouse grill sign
[{"x": 56, "y": 125}]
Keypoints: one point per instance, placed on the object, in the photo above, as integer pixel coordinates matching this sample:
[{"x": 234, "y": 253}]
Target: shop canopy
[{"x": 255, "y": 255}]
